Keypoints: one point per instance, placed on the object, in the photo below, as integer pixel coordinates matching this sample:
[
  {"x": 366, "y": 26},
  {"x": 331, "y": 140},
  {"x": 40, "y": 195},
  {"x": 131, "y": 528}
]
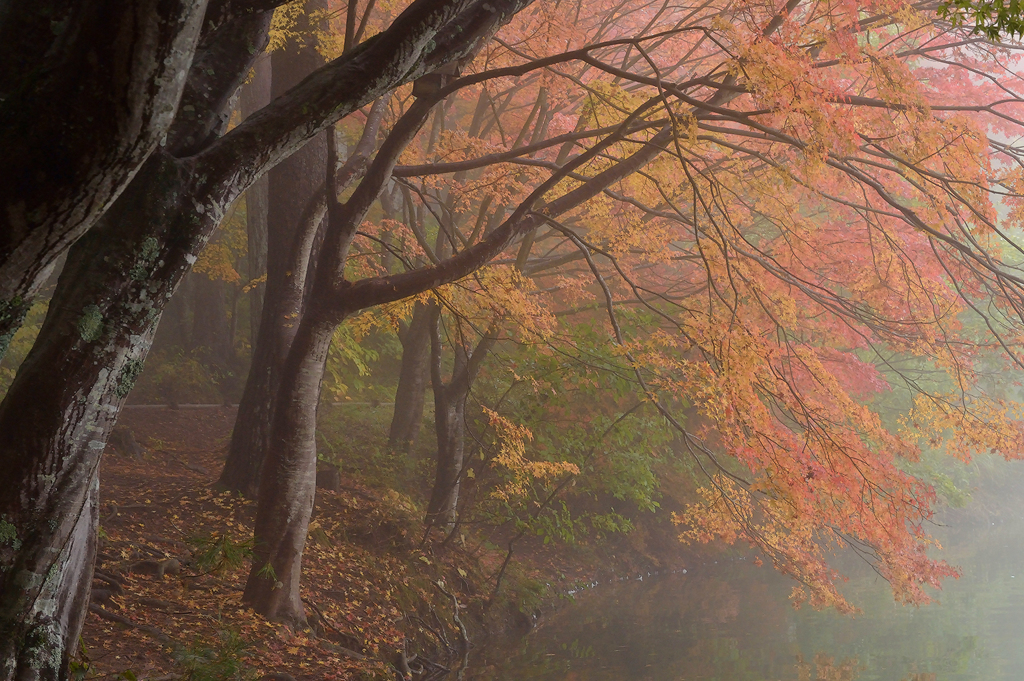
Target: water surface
[{"x": 732, "y": 621}]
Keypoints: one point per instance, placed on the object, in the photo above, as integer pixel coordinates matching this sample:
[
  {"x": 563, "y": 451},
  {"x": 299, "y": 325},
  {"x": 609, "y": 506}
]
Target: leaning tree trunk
[
  {"x": 288, "y": 486},
  {"x": 412, "y": 382},
  {"x": 291, "y": 187},
  {"x": 56, "y": 416},
  {"x": 87, "y": 91},
  {"x": 54, "y": 423}
]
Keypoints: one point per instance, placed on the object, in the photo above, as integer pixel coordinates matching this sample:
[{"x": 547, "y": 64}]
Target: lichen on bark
[
  {"x": 90, "y": 324},
  {"x": 129, "y": 374},
  {"x": 147, "y": 256}
]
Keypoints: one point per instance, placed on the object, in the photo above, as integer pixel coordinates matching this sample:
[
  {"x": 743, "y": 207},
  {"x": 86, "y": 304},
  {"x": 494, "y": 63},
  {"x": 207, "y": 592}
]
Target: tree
[
  {"x": 744, "y": 154},
  {"x": 783, "y": 190},
  {"x": 412, "y": 381},
  {"x": 291, "y": 185},
  {"x": 55, "y": 418}
]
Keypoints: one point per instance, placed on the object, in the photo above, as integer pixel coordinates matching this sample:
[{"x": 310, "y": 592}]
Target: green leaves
[
  {"x": 219, "y": 552},
  {"x": 223, "y": 662},
  {"x": 992, "y": 18}
]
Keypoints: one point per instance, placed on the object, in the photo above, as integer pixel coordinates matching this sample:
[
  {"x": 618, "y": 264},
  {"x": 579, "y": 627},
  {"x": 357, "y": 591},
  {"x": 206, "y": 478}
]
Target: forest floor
[{"x": 172, "y": 566}]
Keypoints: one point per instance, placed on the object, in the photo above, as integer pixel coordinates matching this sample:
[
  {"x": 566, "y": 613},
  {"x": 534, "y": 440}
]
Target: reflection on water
[{"x": 733, "y": 622}]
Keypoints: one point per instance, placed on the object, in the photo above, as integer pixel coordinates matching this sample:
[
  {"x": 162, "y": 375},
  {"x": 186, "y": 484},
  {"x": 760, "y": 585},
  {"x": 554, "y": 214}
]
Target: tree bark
[
  {"x": 450, "y": 427},
  {"x": 288, "y": 488},
  {"x": 290, "y": 187},
  {"x": 53, "y": 425},
  {"x": 64, "y": 401},
  {"x": 412, "y": 382},
  {"x": 87, "y": 91}
]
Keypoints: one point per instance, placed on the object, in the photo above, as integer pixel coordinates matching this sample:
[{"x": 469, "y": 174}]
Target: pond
[{"x": 732, "y": 621}]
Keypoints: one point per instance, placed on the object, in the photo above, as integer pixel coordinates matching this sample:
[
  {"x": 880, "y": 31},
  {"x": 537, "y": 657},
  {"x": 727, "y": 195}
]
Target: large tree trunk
[
  {"x": 412, "y": 382},
  {"x": 55, "y": 418},
  {"x": 287, "y": 489},
  {"x": 289, "y": 481},
  {"x": 291, "y": 186},
  {"x": 87, "y": 91},
  {"x": 53, "y": 426}
]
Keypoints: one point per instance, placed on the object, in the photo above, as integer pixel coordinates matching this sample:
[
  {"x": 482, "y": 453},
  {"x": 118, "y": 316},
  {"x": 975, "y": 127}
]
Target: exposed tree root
[{"x": 160, "y": 636}]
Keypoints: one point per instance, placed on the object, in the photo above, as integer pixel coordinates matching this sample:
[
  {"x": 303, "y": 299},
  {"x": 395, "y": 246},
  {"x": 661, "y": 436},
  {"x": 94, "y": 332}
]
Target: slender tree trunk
[
  {"x": 291, "y": 186},
  {"x": 450, "y": 424},
  {"x": 450, "y": 427},
  {"x": 213, "y": 334},
  {"x": 412, "y": 382},
  {"x": 254, "y": 96},
  {"x": 450, "y": 419},
  {"x": 288, "y": 487}
]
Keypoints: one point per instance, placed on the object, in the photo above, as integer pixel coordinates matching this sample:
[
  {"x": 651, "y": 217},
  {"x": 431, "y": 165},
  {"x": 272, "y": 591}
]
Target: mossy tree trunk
[
  {"x": 119, "y": 68},
  {"x": 57, "y": 415}
]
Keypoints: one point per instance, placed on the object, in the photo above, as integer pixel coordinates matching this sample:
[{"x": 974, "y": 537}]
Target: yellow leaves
[
  {"x": 685, "y": 127},
  {"x": 217, "y": 260},
  {"x": 285, "y": 26},
  {"x": 965, "y": 425},
  {"x": 512, "y": 457},
  {"x": 217, "y": 263},
  {"x": 253, "y": 283},
  {"x": 500, "y": 292},
  {"x": 608, "y": 103}
]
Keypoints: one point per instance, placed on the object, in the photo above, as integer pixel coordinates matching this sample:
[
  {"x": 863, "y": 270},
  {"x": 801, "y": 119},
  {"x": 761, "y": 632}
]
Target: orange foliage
[{"x": 825, "y": 212}]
